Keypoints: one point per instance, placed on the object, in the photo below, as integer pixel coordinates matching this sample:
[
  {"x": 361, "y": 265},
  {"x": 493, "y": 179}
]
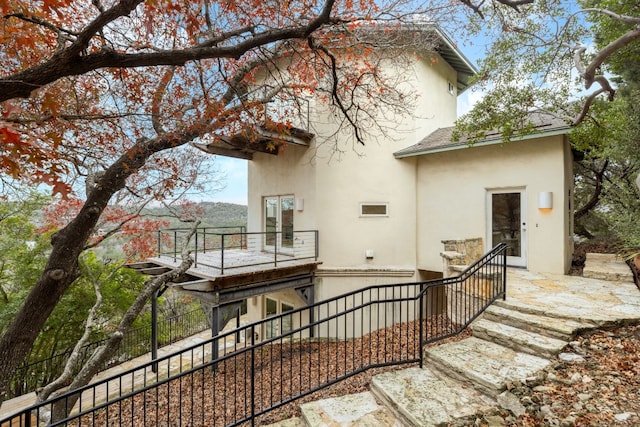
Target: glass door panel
[
  {"x": 507, "y": 224},
  {"x": 271, "y": 221},
  {"x": 286, "y": 214}
]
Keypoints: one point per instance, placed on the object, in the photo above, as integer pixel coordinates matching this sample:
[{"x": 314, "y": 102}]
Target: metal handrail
[
  {"x": 31, "y": 376},
  {"x": 376, "y": 326}
]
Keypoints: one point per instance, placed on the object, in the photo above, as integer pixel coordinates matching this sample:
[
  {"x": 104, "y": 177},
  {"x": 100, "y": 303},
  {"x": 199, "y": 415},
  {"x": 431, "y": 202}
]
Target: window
[
  {"x": 281, "y": 324},
  {"x": 271, "y": 310},
  {"x": 287, "y": 321},
  {"x": 452, "y": 88},
  {"x": 374, "y": 209}
]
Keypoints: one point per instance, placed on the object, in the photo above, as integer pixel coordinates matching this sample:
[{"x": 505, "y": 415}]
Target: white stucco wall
[
  {"x": 452, "y": 198},
  {"x": 334, "y": 184}
]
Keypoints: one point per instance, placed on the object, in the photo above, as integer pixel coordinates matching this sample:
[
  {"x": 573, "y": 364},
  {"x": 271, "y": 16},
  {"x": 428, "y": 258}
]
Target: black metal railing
[
  {"x": 136, "y": 342},
  {"x": 267, "y": 364},
  {"x": 223, "y": 250}
]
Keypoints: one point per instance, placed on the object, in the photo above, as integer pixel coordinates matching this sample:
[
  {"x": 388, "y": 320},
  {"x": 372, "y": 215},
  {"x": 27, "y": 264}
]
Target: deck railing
[
  {"x": 223, "y": 249},
  {"x": 270, "y": 363}
]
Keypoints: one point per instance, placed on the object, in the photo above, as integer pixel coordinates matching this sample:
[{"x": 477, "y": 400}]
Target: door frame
[{"x": 514, "y": 261}]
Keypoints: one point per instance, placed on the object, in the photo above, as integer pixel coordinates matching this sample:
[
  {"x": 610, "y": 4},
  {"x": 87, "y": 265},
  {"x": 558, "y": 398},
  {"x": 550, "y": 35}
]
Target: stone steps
[
  {"x": 511, "y": 342},
  {"x": 517, "y": 339},
  {"x": 608, "y": 267},
  {"x": 582, "y": 321},
  {"x": 486, "y": 365},
  {"x": 564, "y": 329},
  {"x": 361, "y": 409},
  {"x": 424, "y": 397}
]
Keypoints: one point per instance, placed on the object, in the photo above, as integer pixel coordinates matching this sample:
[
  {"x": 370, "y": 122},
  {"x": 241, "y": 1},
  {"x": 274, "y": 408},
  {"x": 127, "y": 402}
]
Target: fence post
[
  {"x": 222, "y": 253},
  {"x": 275, "y": 248},
  {"x": 204, "y": 240},
  {"x": 423, "y": 292},
  {"x": 253, "y": 375},
  {"x": 159, "y": 244},
  {"x": 195, "y": 255},
  {"x": 504, "y": 273},
  {"x": 175, "y": 245},
  {"x": 154, "y": 331}
]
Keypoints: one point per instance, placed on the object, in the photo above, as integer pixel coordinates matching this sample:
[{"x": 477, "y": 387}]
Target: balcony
[{"x": 232, "y": 264}]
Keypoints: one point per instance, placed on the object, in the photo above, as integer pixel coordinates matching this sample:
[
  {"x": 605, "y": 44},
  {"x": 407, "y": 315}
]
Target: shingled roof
[{"x": 440, "y": 139}]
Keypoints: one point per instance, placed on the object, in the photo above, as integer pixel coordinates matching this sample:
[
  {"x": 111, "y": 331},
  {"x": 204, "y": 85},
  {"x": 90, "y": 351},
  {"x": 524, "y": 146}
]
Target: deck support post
[
  {"x": 308, "y": 295},
  {"x": 220, "y": 316}
]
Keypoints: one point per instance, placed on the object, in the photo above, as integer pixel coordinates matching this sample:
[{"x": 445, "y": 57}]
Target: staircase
[{"x": 510, "y": 343}]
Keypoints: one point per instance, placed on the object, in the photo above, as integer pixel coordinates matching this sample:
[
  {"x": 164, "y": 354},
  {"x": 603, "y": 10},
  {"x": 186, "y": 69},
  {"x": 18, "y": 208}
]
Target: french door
[
  {"x": 278, "y": 223},
  {"x": 506, "y": 223}
]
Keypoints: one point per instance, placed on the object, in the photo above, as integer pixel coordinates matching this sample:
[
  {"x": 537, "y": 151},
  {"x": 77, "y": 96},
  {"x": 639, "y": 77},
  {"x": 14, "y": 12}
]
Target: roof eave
[
  {"x": 484, "y": 142},
  {"x": 465, "y": 68}
]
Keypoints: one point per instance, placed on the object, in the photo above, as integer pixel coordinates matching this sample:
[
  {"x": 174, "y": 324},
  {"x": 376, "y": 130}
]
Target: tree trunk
[
  {"x": 62, "y": 267},
  {"x": 62, "y": 407}
]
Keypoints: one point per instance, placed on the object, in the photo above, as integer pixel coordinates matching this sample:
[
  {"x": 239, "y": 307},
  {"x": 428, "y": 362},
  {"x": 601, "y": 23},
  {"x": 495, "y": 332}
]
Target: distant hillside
[
  {"x": 221, "y": 214},
  {"x": 216, "y": 214}
]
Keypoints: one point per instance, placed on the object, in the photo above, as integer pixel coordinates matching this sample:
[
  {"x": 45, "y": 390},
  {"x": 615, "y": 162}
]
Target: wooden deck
[
  {"x": 211, "y": 265},
  {"x": 240, "y": 268}
]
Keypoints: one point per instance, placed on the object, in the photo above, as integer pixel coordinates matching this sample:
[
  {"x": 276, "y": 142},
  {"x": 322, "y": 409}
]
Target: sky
[{"x": 235, "y": 190}]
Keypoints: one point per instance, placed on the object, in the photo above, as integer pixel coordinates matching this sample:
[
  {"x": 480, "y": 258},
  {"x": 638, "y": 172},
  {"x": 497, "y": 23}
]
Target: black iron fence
[
  {"x": 308, "y": 349},
  {"x": 136, "y": 342},
  {"x": 222, "y": 249}
]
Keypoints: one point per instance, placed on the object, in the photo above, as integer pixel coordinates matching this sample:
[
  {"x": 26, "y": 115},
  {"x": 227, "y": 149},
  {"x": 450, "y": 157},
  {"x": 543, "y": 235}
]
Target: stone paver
[
  {"x": 422, "y": 397},
  {"x": 550, "y": 326},
  {"x": 354, "y": 410},
  {"x": 487, "y": 365},
  {"x": 609, "y": 267},
  {"x": 517, "y": 338},
  {"x": 574, "y": 297}
]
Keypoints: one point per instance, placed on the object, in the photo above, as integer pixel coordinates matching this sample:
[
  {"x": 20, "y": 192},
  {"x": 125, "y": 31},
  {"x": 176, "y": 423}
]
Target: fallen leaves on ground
[
  {"x": 252, "y": 382},
  {"x": 595, "y": 382}
]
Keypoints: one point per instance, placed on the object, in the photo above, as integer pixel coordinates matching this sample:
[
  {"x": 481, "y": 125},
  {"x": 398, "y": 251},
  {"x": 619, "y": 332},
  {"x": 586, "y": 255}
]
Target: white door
[
  {"x": 506, "y": 222},
  {"x": 278, "y": 223}
]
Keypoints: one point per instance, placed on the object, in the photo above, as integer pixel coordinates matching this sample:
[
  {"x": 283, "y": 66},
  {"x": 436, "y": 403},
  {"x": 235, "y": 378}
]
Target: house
[
  {"x": 380, "y": 213},
  {"x": 383, "y": 210}
]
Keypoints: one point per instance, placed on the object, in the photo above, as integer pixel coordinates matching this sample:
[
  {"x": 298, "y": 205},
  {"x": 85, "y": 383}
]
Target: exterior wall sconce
[
  {"x": 545, "y": 200},
  {"x": 299, "y": 204}
]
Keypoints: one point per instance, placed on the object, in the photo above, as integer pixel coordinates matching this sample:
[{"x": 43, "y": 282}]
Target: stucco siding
[
  {"x": 335, "y": 178},
  {"x": 452, "y": 198}
]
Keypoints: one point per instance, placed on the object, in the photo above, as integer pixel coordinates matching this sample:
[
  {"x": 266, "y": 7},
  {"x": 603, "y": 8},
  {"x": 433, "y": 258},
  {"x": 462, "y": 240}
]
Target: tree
[
  {"x": 609, "y": 137},
  {"x": 22, "y": 253},
  {"x": 112, "y": 93},
  {"x": 578, "y": 61},
  {"x": 24, "y": 247},
  {"x": 540, "y": 60}
]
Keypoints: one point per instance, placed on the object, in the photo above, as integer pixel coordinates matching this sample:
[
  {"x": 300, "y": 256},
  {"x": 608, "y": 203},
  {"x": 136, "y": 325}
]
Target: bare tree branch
[
  {"x": 104, "y": 353},
  {"x": 597, "y": 191},
  {"x": 477, "y": 7},
  {"x": 334, "y": 90},
  {"x": 589, "y": 72},
  {"x": 66, "y": 376},
  {"x": 157, "y": 99}
]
